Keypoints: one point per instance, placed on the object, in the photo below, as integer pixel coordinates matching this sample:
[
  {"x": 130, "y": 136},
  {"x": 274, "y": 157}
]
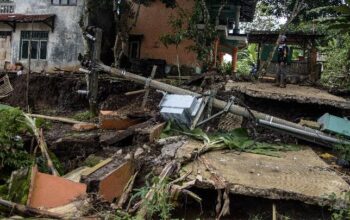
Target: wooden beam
[{"x": 154, "y": 70}]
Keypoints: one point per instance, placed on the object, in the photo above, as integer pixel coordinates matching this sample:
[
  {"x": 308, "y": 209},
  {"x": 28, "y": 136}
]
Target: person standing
[{"x": 282, "y": 57}]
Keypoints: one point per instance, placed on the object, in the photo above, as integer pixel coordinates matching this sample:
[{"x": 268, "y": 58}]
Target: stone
[
  {"x": 84, "y": 127},
  {"x": 169, "y": 151},
  {"x": 127, "y": 157},
  {"x": 138, "y": 152}
]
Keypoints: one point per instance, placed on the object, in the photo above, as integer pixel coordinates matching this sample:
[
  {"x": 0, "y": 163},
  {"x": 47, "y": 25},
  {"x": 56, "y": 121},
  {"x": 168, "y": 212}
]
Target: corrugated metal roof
[{"x": 24, "y": 18}]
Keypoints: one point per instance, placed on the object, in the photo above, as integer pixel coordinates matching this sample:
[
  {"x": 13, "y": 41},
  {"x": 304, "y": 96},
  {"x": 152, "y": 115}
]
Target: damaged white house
[{"x": 56, "y": 38}]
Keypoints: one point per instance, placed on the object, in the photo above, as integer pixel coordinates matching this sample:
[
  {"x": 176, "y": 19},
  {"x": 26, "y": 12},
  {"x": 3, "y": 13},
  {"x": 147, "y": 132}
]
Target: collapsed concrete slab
[
  {"x": 300, "y": 94},
  {"x": 295, "y": 175}
]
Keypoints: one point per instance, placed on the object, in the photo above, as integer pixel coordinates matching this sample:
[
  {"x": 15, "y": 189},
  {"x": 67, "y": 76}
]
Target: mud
[{"x": 57, "y": 93}]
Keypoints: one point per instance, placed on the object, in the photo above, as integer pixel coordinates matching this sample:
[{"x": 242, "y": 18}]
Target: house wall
[
  {"x": 152, "y": 23},
  {"x": 64, "y": 43}
]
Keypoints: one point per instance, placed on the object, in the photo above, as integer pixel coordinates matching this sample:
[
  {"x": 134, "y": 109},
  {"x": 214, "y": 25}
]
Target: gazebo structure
[{"x": 302, "y": 59}]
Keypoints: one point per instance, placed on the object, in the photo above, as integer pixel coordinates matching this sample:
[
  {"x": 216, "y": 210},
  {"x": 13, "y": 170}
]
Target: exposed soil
[{"x": 57, "y": 93}]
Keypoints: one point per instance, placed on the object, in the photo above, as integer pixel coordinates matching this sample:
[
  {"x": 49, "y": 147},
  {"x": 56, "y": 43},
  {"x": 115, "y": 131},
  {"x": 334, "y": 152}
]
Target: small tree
[{"x": 197, "y": 26}]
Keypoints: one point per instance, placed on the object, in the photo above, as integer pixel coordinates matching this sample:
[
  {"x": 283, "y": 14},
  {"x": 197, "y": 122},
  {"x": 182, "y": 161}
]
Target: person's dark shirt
[{"x": 282, "y": 53}]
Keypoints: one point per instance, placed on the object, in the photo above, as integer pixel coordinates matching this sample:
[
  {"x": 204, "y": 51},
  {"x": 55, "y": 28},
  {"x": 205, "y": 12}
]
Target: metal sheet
[{"x": 335, "y": 124}]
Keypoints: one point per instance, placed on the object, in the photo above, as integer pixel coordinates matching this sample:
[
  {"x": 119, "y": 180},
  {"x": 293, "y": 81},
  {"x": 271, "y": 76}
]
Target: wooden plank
[{"x": 154, "y": 70}]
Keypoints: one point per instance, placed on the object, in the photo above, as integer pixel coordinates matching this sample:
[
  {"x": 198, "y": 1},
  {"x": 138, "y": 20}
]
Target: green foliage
[
  {"x": 237, "y": 140},
  {"x": 160, "y": 204},
  {"x": 340, "y": 208},
  {"x": 337, "y": 66},
  {"x": 185, "y": 27},
  {"x": 263, "y": 20},
  {"x": 42, "y": 123},
  {"x": 42, "y": 164},
  {"x": 283, "y": 8},
  {"x": 343, "y": 151},
  {"x": 19, "y": 188},
  {"x": 335, "y": 46},
  {"x": 225, "y": 68},
  {"x": 12, "y": 153},
  {"x": 341, "y": 21},
  {"x": 83, "y": 116},
  {"x": 246, "y": 59}
]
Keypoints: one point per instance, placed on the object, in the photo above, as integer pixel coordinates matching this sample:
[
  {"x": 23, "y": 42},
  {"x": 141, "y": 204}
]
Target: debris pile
[{"x": 134, "y": 161}]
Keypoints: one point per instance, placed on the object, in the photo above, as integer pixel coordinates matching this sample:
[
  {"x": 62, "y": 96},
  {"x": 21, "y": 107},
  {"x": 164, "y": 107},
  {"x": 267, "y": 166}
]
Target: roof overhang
[{"x": 13, "y": 19}]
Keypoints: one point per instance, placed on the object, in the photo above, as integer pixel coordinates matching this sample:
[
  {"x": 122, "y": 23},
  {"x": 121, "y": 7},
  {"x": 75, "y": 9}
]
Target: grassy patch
[{"x": 83, "y": 116}]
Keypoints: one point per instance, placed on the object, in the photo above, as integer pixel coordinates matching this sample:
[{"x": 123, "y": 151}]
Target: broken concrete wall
[{"x": 64, "y": 43}]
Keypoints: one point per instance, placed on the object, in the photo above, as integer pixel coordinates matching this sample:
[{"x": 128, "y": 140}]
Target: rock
[
  {"x": 169, "y": 151},
  {"x": 169, "y": 140},
  {"x": 127, "y": 157},
  {"x": 138, "y": 152},
  {"x": 147, "y": 148},
  {"x": 120, "y": 152}
]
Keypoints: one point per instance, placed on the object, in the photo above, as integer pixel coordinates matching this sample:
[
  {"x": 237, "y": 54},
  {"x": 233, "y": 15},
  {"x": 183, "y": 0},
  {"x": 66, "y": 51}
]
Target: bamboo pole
[{"x": 59, "y": 119}]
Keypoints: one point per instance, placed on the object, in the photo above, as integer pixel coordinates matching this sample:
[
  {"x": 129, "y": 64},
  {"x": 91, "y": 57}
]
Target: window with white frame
[
  {"x": 38, "y": 41},
  {"x": 64, "y": 2},
  {"x": 7, "y": 6}
]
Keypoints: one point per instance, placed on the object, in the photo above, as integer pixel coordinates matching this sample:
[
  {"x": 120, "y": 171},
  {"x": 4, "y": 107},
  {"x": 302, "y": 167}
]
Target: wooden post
[
  {"x": 154, "y": 70},
  {"x": 93, "y": 77},
  {"x": 258, "y": 58},
  {"x": 221, "y": 58},
  {"x": 274, "y": 212},
  {"x": 217, "y": 42},
  {"x": 234, "y": 60},
  {"x": 313, "y": 64},
  {"x": 29, "y": 66}
]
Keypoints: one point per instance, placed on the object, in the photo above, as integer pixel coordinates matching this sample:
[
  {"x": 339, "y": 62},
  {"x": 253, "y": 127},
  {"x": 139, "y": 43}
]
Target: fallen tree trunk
[
  {"x": 28, "y": 211},
  {"x": 307, "y": 133}
]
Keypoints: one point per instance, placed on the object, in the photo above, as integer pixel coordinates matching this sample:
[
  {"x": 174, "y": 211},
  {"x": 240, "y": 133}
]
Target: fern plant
[{"x": 12, "y": 152}]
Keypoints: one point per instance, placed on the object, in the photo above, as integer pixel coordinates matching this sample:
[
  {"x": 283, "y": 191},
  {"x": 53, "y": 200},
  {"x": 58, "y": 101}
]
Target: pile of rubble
[{"x": 169, "y": 144}]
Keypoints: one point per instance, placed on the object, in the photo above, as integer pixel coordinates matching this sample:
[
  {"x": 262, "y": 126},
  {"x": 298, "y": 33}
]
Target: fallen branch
[
  {"x": 59, "y": 119},
  {"x": 135, "y": 92},
  {"x": 28, "y": 211},
  {"x": 41, "y": 142}
]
